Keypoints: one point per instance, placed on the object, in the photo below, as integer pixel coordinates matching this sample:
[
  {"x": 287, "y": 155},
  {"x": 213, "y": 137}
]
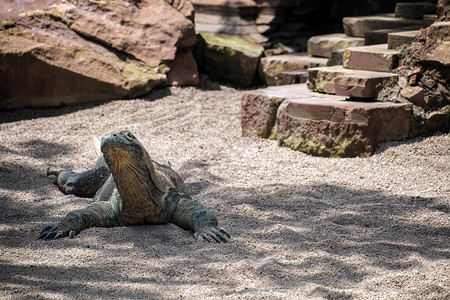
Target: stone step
[
  {"x": 259, "y": 107},
  {"x": 364, "y": 85},
  {"x": 336, "y": 58},
  {"x": 270, "y": 67},
  {"x": 333, "y": 128},
  {"x": 429, "y": 19},
  {"x": 381, "y": 36},
  {"x": 371, "y": 58},
  {"x": 323, "y": 45},
  {"x": 323, "y": 79},
  {"x": 358, "y": 26},
  {"x": 398, "y": 39},
  {"x": 414, "y": 10},
  {"x": 292, "y": 77}
]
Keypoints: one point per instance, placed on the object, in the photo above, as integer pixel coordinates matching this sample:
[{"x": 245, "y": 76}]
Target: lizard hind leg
[{"x": 84, "y": 184}]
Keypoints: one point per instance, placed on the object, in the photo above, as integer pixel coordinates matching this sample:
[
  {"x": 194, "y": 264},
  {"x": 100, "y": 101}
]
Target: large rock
[
  {"x": 229, "y": 58},
  {"x": 341, "y": 128},
  {"x": 85, "y": 51}
]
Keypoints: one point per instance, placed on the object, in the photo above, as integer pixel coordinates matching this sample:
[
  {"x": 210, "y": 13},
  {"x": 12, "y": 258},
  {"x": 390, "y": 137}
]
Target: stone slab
[
  {"x": 358, "y": 26},
  {"x": 333, "y": 128},
  {"x": 381, "y": 36},
  {"x": 398, "y": 39},
  {"x": 363, "y": 85},
  {"x": 414, "y": 10},
  {"x": 323, "y": 45},
  {"x": 322, "y": 79},
  {"x": 259, "y": 107},
  {"x": 371, "y": 58},
  {"x": 270, "y": 67}
]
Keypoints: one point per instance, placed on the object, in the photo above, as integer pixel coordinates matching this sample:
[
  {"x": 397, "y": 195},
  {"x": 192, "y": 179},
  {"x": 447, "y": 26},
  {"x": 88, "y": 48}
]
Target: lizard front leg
[
  {"x": 190, "y": 214},
  {"x": 98, "y": 214}
]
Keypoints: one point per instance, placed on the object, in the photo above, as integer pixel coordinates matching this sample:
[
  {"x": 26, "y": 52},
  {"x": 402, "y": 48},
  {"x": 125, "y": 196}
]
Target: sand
[{"x": 302, "y": 227}]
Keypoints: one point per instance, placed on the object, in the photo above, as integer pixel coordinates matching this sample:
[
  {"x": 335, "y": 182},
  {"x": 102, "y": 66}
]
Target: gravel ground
[{"x": 302, "y": 226}]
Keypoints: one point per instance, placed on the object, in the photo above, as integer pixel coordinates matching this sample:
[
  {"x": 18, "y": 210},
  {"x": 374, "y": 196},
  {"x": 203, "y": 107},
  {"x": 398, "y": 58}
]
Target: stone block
[
  {"x": 341, "y": 128},
  {"x": 336, "y": 58},
  {"x": 414, "y": 10},
  {"x": 358, "y": 26},
  {"x": 398, "y": 39},
  {"x": 363, "y": 85},
  {"x": 270, "y": 67},
  {"x": 414, "y": 94},
  {"x": 259, "y": 107},
  {"x": 371, "y": 58},
  {"x": 323, "y": 79},
  {"x": 323, "y": 45},
  {"x": 228, "y": 58},
  {"x": 381, "y": 36}
]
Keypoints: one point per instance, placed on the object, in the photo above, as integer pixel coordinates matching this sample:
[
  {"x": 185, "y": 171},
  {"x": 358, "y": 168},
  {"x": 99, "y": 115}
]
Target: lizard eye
[{"x": 129, "y": 135}]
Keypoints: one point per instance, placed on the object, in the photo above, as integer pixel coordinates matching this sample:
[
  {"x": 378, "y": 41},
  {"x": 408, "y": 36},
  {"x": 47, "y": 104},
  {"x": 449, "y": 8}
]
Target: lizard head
[{"x": 121, "y": 148}]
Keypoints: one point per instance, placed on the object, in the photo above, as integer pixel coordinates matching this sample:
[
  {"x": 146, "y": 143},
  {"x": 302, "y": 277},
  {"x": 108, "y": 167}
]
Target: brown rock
[
  {"x": 184, "y": 70},
  {"x": 414, "y": 94},
  {"x": 229, "y": 58},
  {"x": 341, "y": 128},
  {"x": 91, "y": 51},
  {"x": 438, "y": 121},
  {"x": 293, "y": 77},
  {"x": 443, "y": 10},
  {"x": 437, "y": 45}
]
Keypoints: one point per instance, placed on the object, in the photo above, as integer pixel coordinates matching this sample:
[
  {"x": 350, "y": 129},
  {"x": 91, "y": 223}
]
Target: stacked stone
[
  {"x": 266, "y": 22},
  {"x": 347, "y": 109}
]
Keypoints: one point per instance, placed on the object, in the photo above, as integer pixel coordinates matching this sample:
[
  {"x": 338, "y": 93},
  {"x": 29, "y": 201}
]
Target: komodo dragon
[{"x": 131, "y": 189}]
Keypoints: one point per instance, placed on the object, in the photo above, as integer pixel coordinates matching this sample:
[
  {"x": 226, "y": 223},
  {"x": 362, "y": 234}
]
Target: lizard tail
[{"x": 97, "y": 145}]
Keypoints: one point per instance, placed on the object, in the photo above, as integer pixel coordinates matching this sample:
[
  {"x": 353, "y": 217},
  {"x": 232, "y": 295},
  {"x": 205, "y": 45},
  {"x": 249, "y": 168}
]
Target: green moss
[{"x": 233, "y": 43}]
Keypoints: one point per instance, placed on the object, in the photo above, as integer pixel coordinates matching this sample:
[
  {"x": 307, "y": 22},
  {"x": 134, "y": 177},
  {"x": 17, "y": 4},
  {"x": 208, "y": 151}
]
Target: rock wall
[{"x": 67, "y": 52}]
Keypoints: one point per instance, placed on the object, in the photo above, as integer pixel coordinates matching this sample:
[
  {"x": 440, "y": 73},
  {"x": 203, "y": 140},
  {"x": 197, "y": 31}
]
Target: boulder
[
  {"x": 84, "y": 51},
  {"x": 437, "y": 44},
  {"x": 228, "y": 58}
]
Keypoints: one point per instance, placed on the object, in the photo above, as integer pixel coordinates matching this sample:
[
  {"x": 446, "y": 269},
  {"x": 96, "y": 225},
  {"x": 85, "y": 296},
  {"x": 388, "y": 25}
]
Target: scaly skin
[{"x": 134, "y": 190}]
